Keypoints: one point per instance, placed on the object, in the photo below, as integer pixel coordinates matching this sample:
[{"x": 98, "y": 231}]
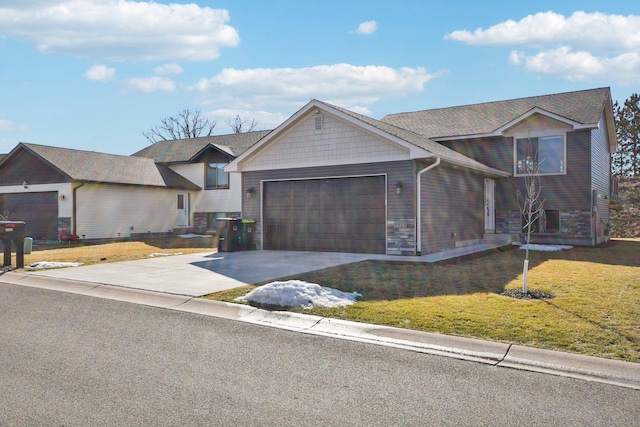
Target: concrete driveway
[{"x": 203, "y": 273}]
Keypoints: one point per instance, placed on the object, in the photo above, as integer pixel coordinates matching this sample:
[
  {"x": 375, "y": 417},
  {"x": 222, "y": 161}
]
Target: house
[
  {"x": 328, "y": 179},
  {"x": 202, "y": 161},
  {"x": 94, "y": 195},
  {"x": 169, "y": 186}
]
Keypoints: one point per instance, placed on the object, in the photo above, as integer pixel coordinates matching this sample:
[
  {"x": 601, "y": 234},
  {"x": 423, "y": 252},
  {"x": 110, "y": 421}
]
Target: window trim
[
  {"x": 517, "y": 138},
  {"x": 207, "y": 168}
]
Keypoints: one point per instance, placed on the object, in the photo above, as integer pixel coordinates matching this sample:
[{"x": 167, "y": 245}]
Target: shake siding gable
[
  {"x": 110, "y": 211},
  {"x": 336, "y": 143}
]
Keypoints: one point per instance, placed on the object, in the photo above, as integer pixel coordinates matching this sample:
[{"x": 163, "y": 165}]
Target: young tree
[
  {"x": 187, "y": 124},
  {"x": 238, "y": 124},
  {"x": 531, "y": 203},
  {"x": 626, "y": 161}
]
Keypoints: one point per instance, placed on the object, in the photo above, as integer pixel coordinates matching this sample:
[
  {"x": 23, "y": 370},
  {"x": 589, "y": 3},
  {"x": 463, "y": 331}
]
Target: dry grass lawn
[
  {"x": 596, "y": 310},
  {"x": 92, "y": 253}
]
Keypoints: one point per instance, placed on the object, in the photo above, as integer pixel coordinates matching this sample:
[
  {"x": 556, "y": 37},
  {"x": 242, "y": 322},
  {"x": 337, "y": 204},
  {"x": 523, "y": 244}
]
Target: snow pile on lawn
[
  {"x": 41, "y": 265},
  {"x": 296, "y": 293},
  {"x": 546, "y": 248},
  {"x": 191, "y": 235}
]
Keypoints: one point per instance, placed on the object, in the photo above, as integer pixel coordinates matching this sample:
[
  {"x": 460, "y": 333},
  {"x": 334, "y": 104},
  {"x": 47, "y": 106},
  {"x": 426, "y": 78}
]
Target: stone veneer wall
[
  {"x": 401, "y": 237},
  {"x": 573, "y": 224},
  {"x": 205, "y": 220}
]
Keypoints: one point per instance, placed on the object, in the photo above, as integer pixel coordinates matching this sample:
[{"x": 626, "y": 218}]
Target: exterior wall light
[{"x": 399, "y": 187}]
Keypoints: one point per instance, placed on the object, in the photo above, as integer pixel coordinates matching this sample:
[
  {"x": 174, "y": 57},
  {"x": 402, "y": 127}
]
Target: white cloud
[
  {"x": 150, "y": 84},
  {"x": 368, "y": 27},
  {"x": 172, "y": 69},
  {"x": 9, "y": 126},
  {"x": 340, "y": 84},
  {"x": 120, "y": 29},
  {"x": 584, "y": 46},
  {"x": 100, "y": 73}
]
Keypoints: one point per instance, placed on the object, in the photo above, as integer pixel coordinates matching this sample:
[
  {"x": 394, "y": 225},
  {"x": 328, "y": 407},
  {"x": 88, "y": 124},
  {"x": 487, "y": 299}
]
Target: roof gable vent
[{"x": 319, "y": 122}]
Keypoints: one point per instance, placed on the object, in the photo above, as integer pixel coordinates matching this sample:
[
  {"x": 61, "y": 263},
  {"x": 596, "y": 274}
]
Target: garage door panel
[
  {"x": 337, "y": 214},
  {"x": 39, "y": 211}
]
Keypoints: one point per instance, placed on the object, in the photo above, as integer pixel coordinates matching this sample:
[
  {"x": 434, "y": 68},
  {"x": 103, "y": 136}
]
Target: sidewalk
[{"x": 607, "y": 371}]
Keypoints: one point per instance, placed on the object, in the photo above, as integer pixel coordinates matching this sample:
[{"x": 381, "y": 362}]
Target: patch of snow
[
  {"x": 157, "y": 254},
  {"x": 296, "y": 293},
  {"x": 546, "y": 248},
  {"x": 40, "y": 265},
  {"x": 191, "y": 235}
]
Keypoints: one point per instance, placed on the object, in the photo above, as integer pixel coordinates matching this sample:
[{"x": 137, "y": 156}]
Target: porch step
[{"x": 499, "y": 239}]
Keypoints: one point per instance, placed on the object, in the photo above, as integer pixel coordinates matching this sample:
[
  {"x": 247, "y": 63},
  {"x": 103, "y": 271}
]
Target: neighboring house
[
  {"x": 94, "y": 195},
  {"x": 202, "y": 161},
  {"x": 328, "y": 179},
  {"x": 168, "y": 187}
]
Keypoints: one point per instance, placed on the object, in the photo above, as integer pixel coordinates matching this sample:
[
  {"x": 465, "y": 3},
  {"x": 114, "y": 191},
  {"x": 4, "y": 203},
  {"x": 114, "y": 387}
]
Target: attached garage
[
  {"x": 38, "y": 210},
  {"x": 334, "y": 214}
]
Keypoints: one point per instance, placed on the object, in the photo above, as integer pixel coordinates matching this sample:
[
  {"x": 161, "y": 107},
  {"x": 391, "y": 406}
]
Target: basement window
[{"x": 548, "y": 223}]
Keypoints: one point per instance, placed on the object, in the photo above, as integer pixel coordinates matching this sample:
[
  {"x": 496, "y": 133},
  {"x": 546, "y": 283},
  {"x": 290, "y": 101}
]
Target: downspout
[
  {"x": 75, "y": 216},
  {"x": 419, "y": 208}
]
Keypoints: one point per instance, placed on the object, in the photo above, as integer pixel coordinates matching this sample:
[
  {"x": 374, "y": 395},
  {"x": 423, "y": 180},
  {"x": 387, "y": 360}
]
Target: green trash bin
[
  {"x": 229, "y": 234},
  {"x": 247, "y": 229}
]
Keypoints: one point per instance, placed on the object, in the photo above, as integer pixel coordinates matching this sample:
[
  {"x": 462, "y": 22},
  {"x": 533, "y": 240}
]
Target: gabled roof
[
  {"x": 581, "y": 108},
  {"x": 185, "y": 150},
  {"x": 91, "y": 166},
  {"x": 423, "y": 147}
]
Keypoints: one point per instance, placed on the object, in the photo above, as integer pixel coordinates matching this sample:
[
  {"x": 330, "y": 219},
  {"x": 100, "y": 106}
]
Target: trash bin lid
[{"x": 248, "y": 221}]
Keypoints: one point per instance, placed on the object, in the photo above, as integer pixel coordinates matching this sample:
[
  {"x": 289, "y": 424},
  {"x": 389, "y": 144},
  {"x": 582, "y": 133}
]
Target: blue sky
[{"x": 96, "y": 74}]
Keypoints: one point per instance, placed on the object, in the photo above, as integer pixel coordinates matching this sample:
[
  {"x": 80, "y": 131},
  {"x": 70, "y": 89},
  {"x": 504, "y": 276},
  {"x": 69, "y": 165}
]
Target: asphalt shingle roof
[
  {"x": 418, "y": 140},
  {"x": 109, "y": 168},
  {"x": 184, "y": 150},
  {"x": 584, "y": 107}
]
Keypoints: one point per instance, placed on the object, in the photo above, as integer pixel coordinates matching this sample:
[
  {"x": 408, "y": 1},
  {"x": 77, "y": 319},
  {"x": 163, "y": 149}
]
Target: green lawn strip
[{"x": 596, "y": 310}]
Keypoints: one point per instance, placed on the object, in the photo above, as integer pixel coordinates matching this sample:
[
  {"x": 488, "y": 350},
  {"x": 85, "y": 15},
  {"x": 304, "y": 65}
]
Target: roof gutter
[{"x": 419, "y": 201}]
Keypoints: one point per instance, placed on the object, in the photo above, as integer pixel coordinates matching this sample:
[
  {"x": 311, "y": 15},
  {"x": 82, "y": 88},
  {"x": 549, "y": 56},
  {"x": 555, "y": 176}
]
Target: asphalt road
[{"x": 68, "y": 359}]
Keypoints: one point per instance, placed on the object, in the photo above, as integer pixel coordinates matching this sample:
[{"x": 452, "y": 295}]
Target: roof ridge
[{"x": 499, "y": 101}]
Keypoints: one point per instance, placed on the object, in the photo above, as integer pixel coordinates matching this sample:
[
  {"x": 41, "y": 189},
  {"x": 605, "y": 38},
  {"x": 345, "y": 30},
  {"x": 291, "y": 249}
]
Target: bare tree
[
  {"x": 530, "y": 202},
  {"x": 187, "y": 124},
  {"x": 238, "y": 124}
]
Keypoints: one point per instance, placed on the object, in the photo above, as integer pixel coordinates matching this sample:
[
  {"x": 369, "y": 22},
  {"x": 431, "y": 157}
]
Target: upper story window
[
  {"x": 216, "y": 176},
  {"x": 545, "y": 155}
]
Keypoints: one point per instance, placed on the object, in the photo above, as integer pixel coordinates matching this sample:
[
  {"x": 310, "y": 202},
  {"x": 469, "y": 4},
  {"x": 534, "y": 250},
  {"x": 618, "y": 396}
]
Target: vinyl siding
[
  {"x": 601, "y": 177},
  {"x": 24, "y": 166},
  {"x": 218, "y": 200},
  {"x": 452, "y": 201},
  {"x": 398, "y": 205},
  {"x": 110, "y": 211}
]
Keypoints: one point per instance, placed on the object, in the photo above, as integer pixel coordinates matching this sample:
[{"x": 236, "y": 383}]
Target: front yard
[{"x": 596, "y": 309}]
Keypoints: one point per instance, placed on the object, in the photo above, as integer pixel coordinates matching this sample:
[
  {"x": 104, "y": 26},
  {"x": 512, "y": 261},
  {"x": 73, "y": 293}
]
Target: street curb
[{"x": 614, "y": 372}]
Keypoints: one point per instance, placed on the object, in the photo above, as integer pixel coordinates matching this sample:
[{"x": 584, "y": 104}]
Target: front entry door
[
  {"x": 181, "y": 219},
  {"x": 489, "y": 206}
]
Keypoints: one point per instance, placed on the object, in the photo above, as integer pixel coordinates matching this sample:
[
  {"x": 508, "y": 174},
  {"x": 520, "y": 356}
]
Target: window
[
  {"x": 547, "y": 223},
  {"x": 547, "y": 154},
  {"x": 216, "y": 176}
]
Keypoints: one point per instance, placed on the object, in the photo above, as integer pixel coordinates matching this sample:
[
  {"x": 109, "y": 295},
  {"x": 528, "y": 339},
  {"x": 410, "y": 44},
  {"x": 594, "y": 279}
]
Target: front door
[
  {"x": 489, "y": 206},
  {"x": 183, "y": 210}
]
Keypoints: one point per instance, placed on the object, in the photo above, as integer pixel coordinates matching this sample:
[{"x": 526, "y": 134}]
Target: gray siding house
[{"x": 329, "y": 179}]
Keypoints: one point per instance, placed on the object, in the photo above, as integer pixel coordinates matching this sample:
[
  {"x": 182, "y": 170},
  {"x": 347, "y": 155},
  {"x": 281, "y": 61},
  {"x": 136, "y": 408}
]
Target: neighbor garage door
[
  {"x": 336, "y": 215},
  {"x": 38, "y": 210}
]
